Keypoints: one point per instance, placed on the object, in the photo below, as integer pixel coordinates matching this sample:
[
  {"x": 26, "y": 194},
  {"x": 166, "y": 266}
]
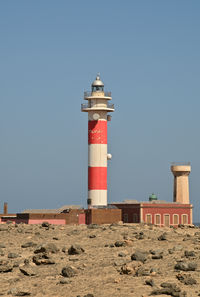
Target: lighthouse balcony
[
  {"x": 99, "y": 95},
  {"x": 105, "y": 107}
]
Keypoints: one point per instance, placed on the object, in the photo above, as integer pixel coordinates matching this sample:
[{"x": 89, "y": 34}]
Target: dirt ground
[{"x": 105, "y": 260}]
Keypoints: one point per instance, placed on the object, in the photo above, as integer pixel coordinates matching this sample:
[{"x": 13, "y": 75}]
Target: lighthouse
[{"x": 97, "y": 107}]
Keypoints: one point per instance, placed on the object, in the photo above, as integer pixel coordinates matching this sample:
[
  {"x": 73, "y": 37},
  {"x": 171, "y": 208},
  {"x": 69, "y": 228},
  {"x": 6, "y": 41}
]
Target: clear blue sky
[{"x": 148, "y": 54}]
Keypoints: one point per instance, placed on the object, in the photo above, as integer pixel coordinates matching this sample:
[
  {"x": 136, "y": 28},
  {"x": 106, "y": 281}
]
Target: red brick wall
[
  {"x": 128, "y": 211},
  {"x": 163, "y": 209},
  {"x": 103, "y": 216}
]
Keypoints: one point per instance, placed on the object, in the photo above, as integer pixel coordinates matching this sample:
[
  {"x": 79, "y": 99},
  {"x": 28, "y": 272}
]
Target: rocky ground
[{"x": 107, "y": 260}]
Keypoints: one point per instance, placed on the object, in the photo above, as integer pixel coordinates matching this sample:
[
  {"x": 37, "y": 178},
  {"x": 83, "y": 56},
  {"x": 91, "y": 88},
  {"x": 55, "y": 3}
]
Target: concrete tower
[
  {"x": 181, "y": 183},
  {"x": 97, "y": 107}
]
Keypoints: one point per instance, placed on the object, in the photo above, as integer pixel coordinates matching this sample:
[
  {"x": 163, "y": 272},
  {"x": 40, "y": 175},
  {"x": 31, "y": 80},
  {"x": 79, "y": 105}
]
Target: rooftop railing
[
  {"x": 87, "y": 105},
  {"x": 180, "y": 163},
  {"x": 89, "y": 94}
]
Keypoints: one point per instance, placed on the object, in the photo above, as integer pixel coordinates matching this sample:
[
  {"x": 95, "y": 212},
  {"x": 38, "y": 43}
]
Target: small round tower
[{"x": 181, "y": 183}]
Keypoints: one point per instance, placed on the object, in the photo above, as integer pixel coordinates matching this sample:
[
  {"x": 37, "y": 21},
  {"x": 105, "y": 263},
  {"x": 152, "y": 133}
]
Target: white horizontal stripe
[
  {"x": 102, "y": 114},
  {"x": 97, "y": 155},
  {"x": 98, "y": 197}
]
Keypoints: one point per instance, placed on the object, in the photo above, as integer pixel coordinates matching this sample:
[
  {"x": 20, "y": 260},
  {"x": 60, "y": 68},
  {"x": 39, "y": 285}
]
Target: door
[{"x": 166, "y": 220}]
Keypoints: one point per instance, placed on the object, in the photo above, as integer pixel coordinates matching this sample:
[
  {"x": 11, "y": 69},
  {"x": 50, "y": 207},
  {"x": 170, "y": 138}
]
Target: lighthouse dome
[{"x": 97, "y": 84}]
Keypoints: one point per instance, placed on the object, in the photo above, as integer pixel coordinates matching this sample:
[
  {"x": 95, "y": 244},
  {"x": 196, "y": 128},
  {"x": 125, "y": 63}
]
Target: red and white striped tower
[{"x": 97, "y": 107}]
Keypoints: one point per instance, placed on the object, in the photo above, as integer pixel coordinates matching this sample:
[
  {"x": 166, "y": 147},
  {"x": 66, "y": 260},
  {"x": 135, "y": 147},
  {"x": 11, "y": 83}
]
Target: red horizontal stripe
[
  {"x": 97, "y": 178},
  {"x": 97, "y": 132}
]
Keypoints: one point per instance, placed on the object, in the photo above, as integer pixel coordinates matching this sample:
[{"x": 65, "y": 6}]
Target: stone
[
  {"x": 75, "y": 250},
  {"x": 178, "y": 248},
  {"x": 121, "y": 254},
  {"x": 139, "y": 256},
  {"x": 64, "y": 249},
  {"x": 16, "y": 292},
  {"x": 128, "y": 269},
  {"x": 3, "y": 228},
  {"x": 169, "y": 289},
  {"x": 120, "y": 243},
  {"x": 184, "y": 266},
  {"x": 157, "y": 254},
  {"x": 46, "y": 248},
  {"x": 189, "y": 254},
  {"x": 150, "y": 282},
  {"x": 6, "y": 268},
  {"x": 28, "y": 244},
  {"x": 1, "y": 252},
  {"x": 92, "y": 236},
  {"x": 68, "y": 271},
  {"x": 143, "y": 271},
  {"x": 28, "y": 270},
  {"x": 163, "y": 236},
  {"x": 45, "y": 224},
  {"x": 89, "y": 295},
  {"x": 43, "y": 259},
  {"x": 186, "y": 279},
  {"x": 93, "y": 226},
  {"x": 13, "y": 255},
  {"x": 2, "y": 246},
  {"x": 65, "y": 281}
]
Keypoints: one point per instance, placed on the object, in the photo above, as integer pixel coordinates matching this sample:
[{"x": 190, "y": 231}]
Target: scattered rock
[
  {"x": 6, "y": 268},
  {"x": 163, "y": 236},
  {"x": 46, "y": 248},
  {"x": 184, "y": 266},
  {"x": 1, "y": 252},
  {"x": 16, "y": 292},
  {"x": 143, "y": 271},
  {"x": 93, "y": 226},
  {"x": 65, "y": 281},
  {"x": 177, "y": 248},
  {"x": 186, "y": 279},
  {"x": 43, "y": 259},
  {"x": 139, "y": 256},
  {"x": 128, "y": 269},
  {"x": 75, "y": 250},
  {"x": 13, "y": 255},
  {"x": 150, "y": 282},
  {"x": 157, "y": 254},
  {"x": 28, "y": 270},
  {"x": 121, "y": 254},
  {"x": 120, "y": 243},
  {"x": 169, "y": 289},
  {"x": 3, "y": 228},
  {"x": 46, "y": 225},
  {"x": 189, "y": 254},
  {"x": 68, "y": 271},
  {"x": 29, "y": 244}
]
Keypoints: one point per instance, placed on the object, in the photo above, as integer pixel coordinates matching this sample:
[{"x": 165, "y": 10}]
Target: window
[
  {"x": 166, "y": 220},
  {"x": 175, "y": 219},
  {"x": 157, "y": 219},
  {"x": 184, "y": 219},
  {"x": 148, "y": 218},
  {"x": 135, "y": 218},
  {"x": 125, "y": 218}
]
